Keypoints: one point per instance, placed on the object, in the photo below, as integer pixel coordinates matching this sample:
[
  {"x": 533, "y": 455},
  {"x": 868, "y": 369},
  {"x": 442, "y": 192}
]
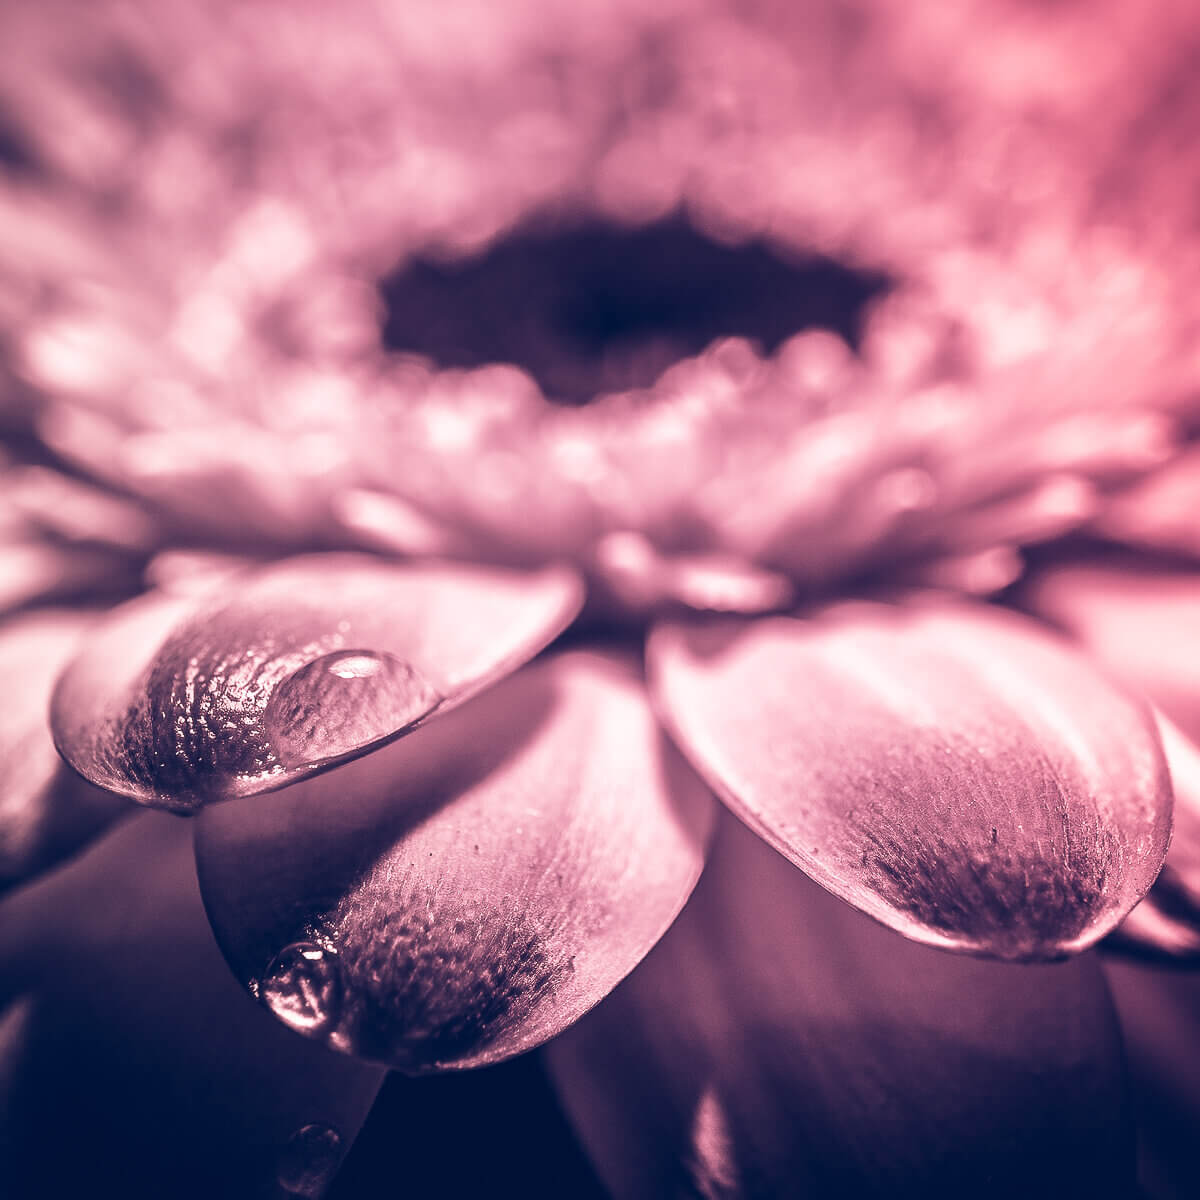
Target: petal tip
[
  {"x": 957, "y": 774},
  {"x": 290, "y": 669}
]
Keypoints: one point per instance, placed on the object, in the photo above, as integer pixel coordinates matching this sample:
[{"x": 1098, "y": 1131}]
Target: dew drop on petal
[
  {"x": 309, "y": 1160},
  {"x": 343, "y": 701},
  {"x": 303, "y": 988},
  {"x": 496, "y": 875}
]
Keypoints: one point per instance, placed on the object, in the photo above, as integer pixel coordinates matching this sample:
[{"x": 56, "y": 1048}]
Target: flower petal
[
  {"x": 120, "y": 1023},
  {"x": 1159, "y": 509},
  {"x": 1142, "y": 624},
  {"x": 496, "y": 874},
  {"x": 288, "y": 670},
  {"x": 1167, "y": 922},
  {"x": 46, "y": 811},
  {"x": 778, "y": 1043},
  {"x": 949, "y": 770},
  {"x": 41, "y": 572}
]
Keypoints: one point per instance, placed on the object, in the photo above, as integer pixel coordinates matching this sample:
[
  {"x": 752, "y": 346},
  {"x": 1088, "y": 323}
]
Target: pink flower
[{"x": 659, "y": 539}]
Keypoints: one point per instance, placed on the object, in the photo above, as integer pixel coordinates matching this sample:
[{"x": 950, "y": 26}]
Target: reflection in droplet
[
  {"x": 343, "y": 701},
  {"x": 309, "y": 1160},
  {"x": 303, "y": 987}
]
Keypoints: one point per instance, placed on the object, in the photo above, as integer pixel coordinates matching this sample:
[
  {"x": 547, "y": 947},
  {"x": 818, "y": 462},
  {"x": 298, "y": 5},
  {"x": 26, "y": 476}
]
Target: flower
[{"x": 713, "y": 727}]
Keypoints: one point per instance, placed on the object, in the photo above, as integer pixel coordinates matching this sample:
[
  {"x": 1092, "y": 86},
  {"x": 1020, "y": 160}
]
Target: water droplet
[
  {"x": 341, "y": 702},
  {"x": 303, "y": 987},
  {"x": 309, "y": 1160}
]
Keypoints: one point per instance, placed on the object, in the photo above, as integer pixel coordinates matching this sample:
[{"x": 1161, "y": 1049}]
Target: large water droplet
[
  {"x": 303, "y": 987},
  {"x": 309, "y": 1160},
  {"x": 343, "y": 701}
]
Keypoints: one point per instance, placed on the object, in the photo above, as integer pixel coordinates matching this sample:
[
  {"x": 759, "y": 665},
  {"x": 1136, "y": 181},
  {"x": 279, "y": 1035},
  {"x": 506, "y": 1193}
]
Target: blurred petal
[
  {"x": 1159, "y": 1008},
  {"x": 131, "y": 1063},
  {"x": 194, "y": 572},
  {"x": 1142, "y": 624},
  {"x": 282, "y": 672},
  {"x": 1160, "y": 510},
  {"x": 71, "y": 511},
  {"x": 642, "y": 580},
  {"x": 1167, "y": 922},
  {"x": 951, "y": 771},
  {"x": 495, "y": 875},
  {"x": 46, "y": 811},
  {"x": 778, "y": 1043},
  {"x": 37, "y": 571}
]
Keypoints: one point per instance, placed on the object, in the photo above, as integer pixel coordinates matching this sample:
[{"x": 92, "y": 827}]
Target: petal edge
[{"x": 954, "y": 772}]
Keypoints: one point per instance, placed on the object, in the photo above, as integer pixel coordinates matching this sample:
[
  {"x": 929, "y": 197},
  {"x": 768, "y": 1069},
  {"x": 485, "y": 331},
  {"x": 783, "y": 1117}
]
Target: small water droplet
[
  {"x": 303, "y": 987},
  {"x": 343, "y": 701},
  {"x": 309, "y": 1160}
]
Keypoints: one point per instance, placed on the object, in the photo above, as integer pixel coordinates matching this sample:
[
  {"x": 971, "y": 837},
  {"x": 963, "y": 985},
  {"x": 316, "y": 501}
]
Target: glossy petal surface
[
  {"x": 468, "y": 892},
  {"x": 1167, "y": 922},
  {"x": 131, "y": 1064},
  {"x": 1144, "y": 626},
  {"x": 951, "y": 770},
  {"x": 180, "y": 699},
  {"x": 778, "y": 1043},
  {"x": 46, "y": 810}
]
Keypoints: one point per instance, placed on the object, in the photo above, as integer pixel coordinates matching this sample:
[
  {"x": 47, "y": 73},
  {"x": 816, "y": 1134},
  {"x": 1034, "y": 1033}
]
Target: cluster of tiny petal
[{"x": 197, "y": 209}]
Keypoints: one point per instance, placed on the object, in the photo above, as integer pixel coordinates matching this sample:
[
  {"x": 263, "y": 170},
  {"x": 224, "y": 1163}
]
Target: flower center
[{"x": 591, "y": 308}]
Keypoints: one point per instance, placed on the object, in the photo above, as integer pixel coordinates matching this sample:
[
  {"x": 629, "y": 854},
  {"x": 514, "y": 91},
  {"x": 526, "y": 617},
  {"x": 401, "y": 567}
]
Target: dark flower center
[{"x": 591, "y": 308}]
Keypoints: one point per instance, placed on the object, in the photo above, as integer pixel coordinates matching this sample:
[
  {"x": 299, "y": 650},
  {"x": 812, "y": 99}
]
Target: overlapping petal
[
  {"x": 468, "y": 892},
  {"x": 1159, "y": 511},
  {"x": 1167, "y": 922},
  {"x": 290, "y": 669},
  {"x": 46, "y": 810},
  {"x": 132, "y": 1064},
  {"x": 948, "y": 769},
  {"x": 1141, "y": 622},
  {"x": 778, "y": 1043}
]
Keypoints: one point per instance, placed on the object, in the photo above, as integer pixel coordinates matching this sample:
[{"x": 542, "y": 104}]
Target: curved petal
[
  {"x": 119, "y": 1023},
  {"x": 46, "y": 811},
  {"x": 1159, "y": 510},
  {"x": 778, "y": 1043},
  {"x": 181, "y": 700},
  {"x": 496, "y": 874},
  {"x": 1142, "y": 624},
  {"x": 1167, "y": 922},
  {"x": 37, "y": 571},
  {"x": 952, "y": 771}
]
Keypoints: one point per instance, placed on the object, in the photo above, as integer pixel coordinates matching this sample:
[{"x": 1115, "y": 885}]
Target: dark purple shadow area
[
  {"x": 73, "y": 814},
  {"x": 592, "y": 308},
  {"x": 492, "y": 1132},
  {"x": 17, "y": 156}
]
